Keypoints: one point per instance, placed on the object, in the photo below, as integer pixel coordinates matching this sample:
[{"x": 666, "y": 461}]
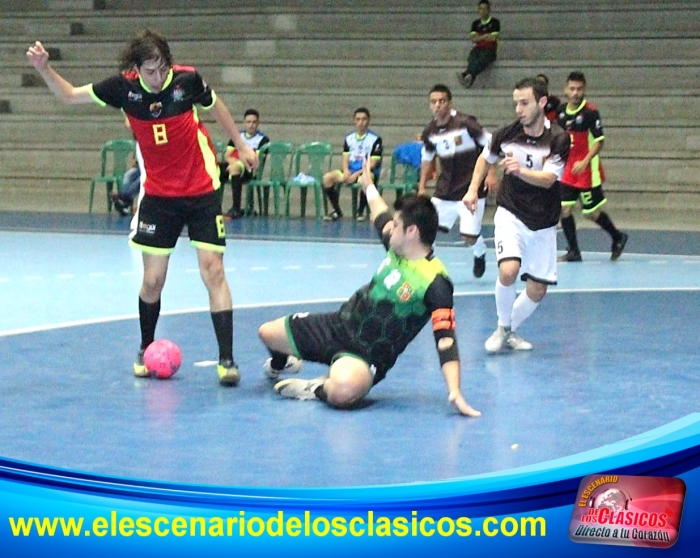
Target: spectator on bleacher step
[{"x": 484, "y": 34}]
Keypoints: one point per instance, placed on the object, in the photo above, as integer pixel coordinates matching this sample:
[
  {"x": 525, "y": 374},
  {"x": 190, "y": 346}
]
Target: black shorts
[
  {"x": 159, "y": 221},
  {"x": 591, "y": 198},
  {"x": 323, "y": 338}
]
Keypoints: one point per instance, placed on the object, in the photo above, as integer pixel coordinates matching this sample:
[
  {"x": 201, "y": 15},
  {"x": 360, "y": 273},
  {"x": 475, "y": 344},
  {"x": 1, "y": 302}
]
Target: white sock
[
  {"x": 505, "y": 298},
  {"x": 522, "y": 309},
  {"x": 479, "y": 247}
]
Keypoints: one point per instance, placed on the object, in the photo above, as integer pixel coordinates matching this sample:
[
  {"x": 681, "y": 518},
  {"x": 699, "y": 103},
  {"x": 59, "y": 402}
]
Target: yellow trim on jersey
[
  {"x": 577, "y": 109},
  {"x": 214, "y": 98},
  {"x": 96, "y": 98}
]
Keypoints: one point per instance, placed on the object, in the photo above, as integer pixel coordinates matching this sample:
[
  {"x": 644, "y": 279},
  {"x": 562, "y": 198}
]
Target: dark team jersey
[
  {"x": 552, "y": 107},
  {"x": 490, "y": 27},
  {"x": 358, "y": 148},
  {"x": 538, "y": 208},
  {"x": 457, "y": 144},
  {"x": 384, "y": 316},
  {"x": 255, "y": 142},
  {"x": 178, "y": 154},
  {"x": 584, "y": 128}
]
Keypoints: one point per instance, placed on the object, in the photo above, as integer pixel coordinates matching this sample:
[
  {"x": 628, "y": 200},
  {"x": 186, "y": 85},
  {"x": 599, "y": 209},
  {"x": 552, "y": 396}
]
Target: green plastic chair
[
  {"x": 276, "y": 160},
  {"x": 313, "y": 159},
  {"x": 355, "y": 193},
  {"x": 114, "y": 163},
  {"x": 403, "y": 178}
]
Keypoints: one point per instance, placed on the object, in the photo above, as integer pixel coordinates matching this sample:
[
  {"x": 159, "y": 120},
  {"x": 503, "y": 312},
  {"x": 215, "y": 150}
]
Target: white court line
[{"x": 108, "y": 319}]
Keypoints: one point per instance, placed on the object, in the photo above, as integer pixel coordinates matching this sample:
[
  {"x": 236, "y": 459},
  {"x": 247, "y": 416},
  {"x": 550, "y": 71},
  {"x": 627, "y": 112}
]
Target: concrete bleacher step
[
  {"x": 337, "y": 107},
  {"x": 87, "y": 130},
  {"x": 564, "y": 21},
  {"x": 391, "y": 48},
  {"x": 408, "y": 76}
]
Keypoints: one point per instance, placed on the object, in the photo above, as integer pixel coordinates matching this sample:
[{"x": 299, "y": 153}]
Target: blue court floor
[{"x": 616, "y": 354}]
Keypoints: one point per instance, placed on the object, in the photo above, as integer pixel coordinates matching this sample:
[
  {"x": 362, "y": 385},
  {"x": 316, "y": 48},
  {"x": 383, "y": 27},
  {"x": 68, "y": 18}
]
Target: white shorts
[
  {"x": 536, "y": 250},
  {"x": 448, "y": 211}
]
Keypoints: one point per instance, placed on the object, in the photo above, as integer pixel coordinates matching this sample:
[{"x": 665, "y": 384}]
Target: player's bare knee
[
  {"x": 469, "y": 239},
  {"x": 536, "y": 291},
  {"x": 343, "y": 393},
  {"x": 152, "y": 286}
]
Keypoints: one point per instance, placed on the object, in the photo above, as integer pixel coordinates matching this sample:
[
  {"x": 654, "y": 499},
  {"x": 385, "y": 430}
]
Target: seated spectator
[
  {"x": 235, "y": 169},
  {"x": 358, "y": 145},
  {"x": 484, "y": 34}
]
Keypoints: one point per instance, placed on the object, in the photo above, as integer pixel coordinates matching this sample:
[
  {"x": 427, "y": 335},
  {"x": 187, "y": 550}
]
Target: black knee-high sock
[
  {"x": 237, "y": 188},
  {"x": 604, "y": 222},
  {"x": 279, "y": 360},
  {"x": 568, "y": 224},
  {"x": 223, "y": 327},
  {"x": 362, "y": 204},
  {"x": 334, "y": 198},
  {"x": 148, "y": 318}
]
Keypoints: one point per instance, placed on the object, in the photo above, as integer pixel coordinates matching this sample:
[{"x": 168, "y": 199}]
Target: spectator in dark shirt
[{"x": 484, "y": 34}]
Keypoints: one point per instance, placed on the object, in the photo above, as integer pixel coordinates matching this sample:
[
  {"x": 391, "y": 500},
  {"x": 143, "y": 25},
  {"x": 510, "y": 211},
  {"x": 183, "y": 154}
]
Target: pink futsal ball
[{"x": 162, "y": 358}]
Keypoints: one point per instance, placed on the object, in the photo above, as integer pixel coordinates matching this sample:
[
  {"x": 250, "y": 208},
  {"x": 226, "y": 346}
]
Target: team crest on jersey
[
  {"x": 156, "y": 109},
  {"x": 405, "y": 292},
  {"x": 178, "y": 94},
  {"x": 458, "y": 140},
  {"x": 579, "y": 119}
]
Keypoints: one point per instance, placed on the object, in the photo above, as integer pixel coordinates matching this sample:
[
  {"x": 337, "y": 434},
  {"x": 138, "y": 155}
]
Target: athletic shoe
[
  {"x": 570, "y": 256},
  {"x": 619, "y": 246},
  {"x": 479, "y": 266},
  {"x": 361, "y": 217},
  {"x": 465, "y": 81},
  {"x": 139, "y": 366},
  {"x": 295, "y": 388},
  {"x": 228, "y": 373},
  {"x": 495, "y": 342},
  {"x": 517, "y": 343},
  {"x": 292, "y": 366},
  {"x": 333, "y": 216}
]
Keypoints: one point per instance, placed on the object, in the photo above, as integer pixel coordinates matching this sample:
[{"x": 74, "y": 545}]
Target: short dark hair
[
  {"x": 577, "y": 76},
  {"x": 147, "y": 45},
  {"x": 419, "y": 210},
  {"x": 362, "y": 110},
  {"x": 543, "y": 78},
  {"x": 253, "y": 112},
  {"x": 484, "y": 2},
  {"x": 440, "y": 88},
  {"x": 538, "y": 87}
]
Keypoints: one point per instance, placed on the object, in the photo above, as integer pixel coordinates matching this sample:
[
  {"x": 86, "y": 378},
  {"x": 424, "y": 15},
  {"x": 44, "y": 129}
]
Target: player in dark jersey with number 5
[
  {"x": 533, "y": 153},
  {"x": 181, "y": 175}
]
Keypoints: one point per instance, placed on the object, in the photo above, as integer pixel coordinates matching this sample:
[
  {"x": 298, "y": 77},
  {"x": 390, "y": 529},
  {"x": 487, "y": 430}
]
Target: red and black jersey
[
  {"x": 538, "y": 208},
  {"x": 178, "y": 155},
  {"x": 584, "y": 128},
  {"x": 489, "y": 27},
  {"x": 551, "y": 109}
]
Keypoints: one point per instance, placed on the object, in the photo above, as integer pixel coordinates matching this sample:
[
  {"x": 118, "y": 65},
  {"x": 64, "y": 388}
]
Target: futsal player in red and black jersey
[
  {"x": 532, "y": 152},
  {"x": 181, "y": 174},
  {"x": 584, "y": 176}
]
